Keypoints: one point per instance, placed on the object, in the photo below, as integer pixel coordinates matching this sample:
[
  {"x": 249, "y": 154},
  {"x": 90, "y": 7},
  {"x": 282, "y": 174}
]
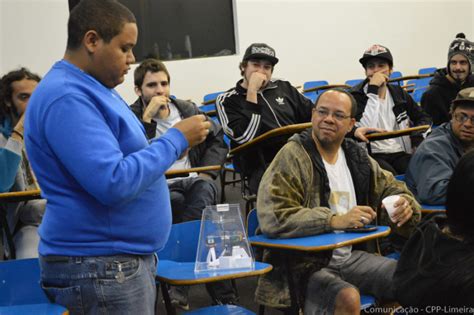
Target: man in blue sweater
[{"x": 108, "y": 207}]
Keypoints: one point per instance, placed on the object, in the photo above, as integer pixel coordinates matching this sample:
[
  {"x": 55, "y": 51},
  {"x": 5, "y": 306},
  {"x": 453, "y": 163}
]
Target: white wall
[{"x": 314, "y": 39}]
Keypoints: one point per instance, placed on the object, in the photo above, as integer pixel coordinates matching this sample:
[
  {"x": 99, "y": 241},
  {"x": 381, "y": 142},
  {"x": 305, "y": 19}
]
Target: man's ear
[
  {"x": 138, "y": 91},
  {"x": 91, "y": 41},
  {"x": 351, "y": 125}
]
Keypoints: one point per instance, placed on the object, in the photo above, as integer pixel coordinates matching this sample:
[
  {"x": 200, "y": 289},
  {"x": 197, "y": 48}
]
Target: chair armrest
[
  {"x": 172, "y": 173},
  {"x": 18, "y": 196},
  {"x": 396, "y": 133},
  {"x": 290, "y": 129}
]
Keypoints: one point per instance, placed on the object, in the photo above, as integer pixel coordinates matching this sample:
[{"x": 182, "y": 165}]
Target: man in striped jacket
[{"x": 258, "y": 104}]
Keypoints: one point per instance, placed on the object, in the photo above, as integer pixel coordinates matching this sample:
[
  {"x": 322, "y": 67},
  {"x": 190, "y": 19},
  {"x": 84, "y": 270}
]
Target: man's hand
[
  {"x": 354, "y": 218},
  {"x": 378, "y": 79},
  {"x": 403, "y": 211},
  {"x": 195, "y": 129},
  {"x": 158, "y": 106},
  {"x": 361, "y": 132},
  {"x": 257, "y": 81}
]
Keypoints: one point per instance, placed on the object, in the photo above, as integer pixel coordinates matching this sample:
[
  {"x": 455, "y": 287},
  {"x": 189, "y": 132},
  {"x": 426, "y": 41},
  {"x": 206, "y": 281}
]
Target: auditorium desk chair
[
  {"x": 20, "y": 290},
  {"x": 176, "y": 267}
]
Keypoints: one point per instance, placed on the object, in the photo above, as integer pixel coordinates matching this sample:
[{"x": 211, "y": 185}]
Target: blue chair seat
[
  {"x": 20, "y": 291},
  {"x": 33, "y": 309},
  {"x": 182, "y": 273},
  {"x": 221, "y": 310}
]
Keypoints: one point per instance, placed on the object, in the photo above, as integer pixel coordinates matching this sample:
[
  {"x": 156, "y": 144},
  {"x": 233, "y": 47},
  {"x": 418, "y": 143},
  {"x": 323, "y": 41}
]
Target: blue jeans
[
  {"x": 121, "y": 284},
  {"x": 189, "y": 196}
]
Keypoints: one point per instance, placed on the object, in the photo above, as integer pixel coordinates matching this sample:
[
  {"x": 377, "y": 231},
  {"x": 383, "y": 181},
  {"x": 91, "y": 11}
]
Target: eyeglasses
[
  {"x": 323, "y": 113},
  {"x": 462, "y": 118}
]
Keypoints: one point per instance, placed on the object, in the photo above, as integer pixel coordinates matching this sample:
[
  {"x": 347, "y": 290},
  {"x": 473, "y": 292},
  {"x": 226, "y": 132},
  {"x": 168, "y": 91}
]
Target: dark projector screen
[{"x": 182, "y": 29}]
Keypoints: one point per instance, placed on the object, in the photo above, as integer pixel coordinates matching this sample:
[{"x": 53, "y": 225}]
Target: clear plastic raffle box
[{"x": 223, "y": 243}]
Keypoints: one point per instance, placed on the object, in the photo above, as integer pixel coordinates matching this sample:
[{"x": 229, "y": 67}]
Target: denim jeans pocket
[
  {"x": 69, "y": 297},
  {"x": 122, "y": 270}
]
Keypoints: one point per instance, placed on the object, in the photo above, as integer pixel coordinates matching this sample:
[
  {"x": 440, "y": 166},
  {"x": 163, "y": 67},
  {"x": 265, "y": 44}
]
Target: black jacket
[
  {"x": 436, "y": 101},
  {"x": 435, "y": 269},
  {"x": 213, "y": 151},
  {"x": 406, "y": 110},
  {"x": 279, "y": 104}
]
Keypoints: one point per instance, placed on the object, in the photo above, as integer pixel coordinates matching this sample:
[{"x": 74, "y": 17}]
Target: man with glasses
[
  {"x": 319, "y": 182},
  {"x": 447, "y": 82},
  {"x": 433, "y": 163},
  {"x": 258, "y": 104},
  {"x": 387, "y": 106}
]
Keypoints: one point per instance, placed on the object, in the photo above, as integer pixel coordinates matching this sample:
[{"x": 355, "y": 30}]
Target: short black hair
[
  {"x": 460, "y": 199},
  {"x": 106, "y": 17},
  {"x": 339, "y": 90},
  {"x": 6, "y": 88},
  {"x": 148, "y": 65}
]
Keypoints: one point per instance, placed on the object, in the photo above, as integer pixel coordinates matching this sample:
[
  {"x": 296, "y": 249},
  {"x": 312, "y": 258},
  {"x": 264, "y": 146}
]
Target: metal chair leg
[
  {"x": 166, "y": 296},
  {"x": 8, "y": 234}
]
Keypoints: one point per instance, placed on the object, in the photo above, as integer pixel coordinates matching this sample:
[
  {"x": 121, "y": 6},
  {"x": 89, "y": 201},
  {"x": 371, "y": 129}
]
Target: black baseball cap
[
  {"x": 260, "y": 51},
  {"x": 376, "y": 51}
]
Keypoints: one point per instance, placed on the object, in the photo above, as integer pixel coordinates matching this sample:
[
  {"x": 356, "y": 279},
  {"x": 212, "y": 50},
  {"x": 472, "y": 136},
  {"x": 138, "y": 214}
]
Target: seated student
[
  {"x": 258, "y": 104},
  {"x": 433, "y": 162},
  {"x": 447, "y": 82},
  {"x": 15, "y": 173},
  {"x": 190, "y": 194},
  {"x": 320, "y": 182},
  {"x": 435, "y": 267},
  {"x": 389, "y": 107}
]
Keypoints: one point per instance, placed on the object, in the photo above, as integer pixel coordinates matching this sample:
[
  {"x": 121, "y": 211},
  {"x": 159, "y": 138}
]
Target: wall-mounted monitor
[{"x": 182, "y": 29}]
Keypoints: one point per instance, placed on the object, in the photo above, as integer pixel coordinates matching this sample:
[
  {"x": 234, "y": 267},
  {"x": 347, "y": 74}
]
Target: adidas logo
[{"x": 280, "y": 100}]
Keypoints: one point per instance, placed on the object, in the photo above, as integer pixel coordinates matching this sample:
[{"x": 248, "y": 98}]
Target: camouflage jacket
[{"x": 293, "y": 202}]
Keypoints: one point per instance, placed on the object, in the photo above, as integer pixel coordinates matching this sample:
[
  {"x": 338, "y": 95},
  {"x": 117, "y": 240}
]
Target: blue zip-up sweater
[{"x": 104, "y": 182}]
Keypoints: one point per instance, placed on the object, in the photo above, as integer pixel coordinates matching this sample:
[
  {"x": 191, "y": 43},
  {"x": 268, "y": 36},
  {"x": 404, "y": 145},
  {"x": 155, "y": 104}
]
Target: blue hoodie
[{"x": 105, "y": 184}]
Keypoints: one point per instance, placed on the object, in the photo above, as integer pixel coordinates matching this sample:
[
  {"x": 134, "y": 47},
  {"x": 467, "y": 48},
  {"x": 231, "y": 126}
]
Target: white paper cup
[{"x": 389, "y": 204}]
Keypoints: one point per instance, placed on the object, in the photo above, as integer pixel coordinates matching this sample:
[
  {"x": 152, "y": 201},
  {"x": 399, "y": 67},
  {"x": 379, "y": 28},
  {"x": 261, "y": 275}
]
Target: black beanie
[{"x": 461, "y": 46}]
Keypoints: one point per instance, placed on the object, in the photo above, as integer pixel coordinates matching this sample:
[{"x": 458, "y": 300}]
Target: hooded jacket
[
  {"x": 293, "y": 201},
  {"x": 436, "y": 101}
]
